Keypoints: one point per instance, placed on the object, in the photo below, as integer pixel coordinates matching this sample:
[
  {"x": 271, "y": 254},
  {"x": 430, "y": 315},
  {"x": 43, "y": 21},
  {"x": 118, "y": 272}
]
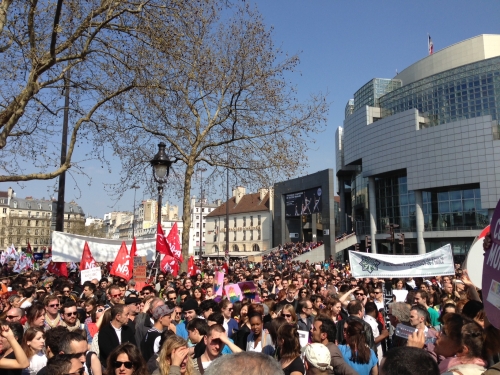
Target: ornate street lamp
[{"x": 161, "y": 167}]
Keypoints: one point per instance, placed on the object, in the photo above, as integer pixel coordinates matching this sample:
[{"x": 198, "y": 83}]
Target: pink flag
[{"x": 219, "y": 283}]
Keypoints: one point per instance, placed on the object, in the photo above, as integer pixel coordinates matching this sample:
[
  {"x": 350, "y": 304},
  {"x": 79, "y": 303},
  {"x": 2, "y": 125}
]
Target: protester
[
  {"x": 33, "y": 344},
  {"x": 126, "y": 359}
]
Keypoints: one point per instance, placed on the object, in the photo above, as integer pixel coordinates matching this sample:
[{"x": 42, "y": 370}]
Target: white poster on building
[
  {"x": 435, "y": 263},
  {"x": 69, "y": 248}
]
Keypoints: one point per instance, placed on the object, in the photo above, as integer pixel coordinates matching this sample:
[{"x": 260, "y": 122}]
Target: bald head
[{"x": 14, "y": 314}]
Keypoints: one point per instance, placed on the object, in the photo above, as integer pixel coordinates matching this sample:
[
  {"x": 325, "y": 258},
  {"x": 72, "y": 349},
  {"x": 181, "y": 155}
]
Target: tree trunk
[{"x": 186, "y": 213}]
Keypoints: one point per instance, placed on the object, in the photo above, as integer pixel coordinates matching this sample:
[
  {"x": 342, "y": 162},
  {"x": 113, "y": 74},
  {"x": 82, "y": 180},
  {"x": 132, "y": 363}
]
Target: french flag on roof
[{"x": 430, "y": 45}]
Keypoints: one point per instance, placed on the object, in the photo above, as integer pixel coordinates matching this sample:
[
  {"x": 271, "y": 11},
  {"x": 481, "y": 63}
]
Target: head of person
[
  {"x": 197, "y": 328},
  {"x": 198, "y": 294},
  {"x": 190, "y": 309},
  {"x": 114, "y": 294},
  {"x": 371, "y": 309},
  {"x": 35, "y": 315},
  {"x": 356, "y": 339},
  {"x": 255, "y": 318},
  {"x": 227, "y": 308},
  {"x": 75, "y": 344},
  {"x": 213, "y": 342},
  {"x": 355, "y": 308},
  {"x": 409, "y": 361},
  {"x": 208, "y": 307},
  {"x": 177, "y": 317},
  {"x": 290, "y": 292},
  {"x": 288, "y": 341},
  {"x": 53, "y": 339},
  {"x": 69, "y": 313},
  {"x": 188, "y": 284},
  {"x": 14, "y": 314},
  {"x": 289, "y": 314},
  {"x": 215, "y": 318},
  {"x": 170, "y": 346},
  {"x": 172, "y": 296},
  {"x": 323, "y": 330},
  {"x": 64, "y": 365},
  {"x": 421, "y": 297},
  {"x": 317, "y": 359},
  {"x": 361, "y": 293},
  {"x": 318, "y": 301},
  {"x": 459, "y": 337},
  {"x": 126, "y": 359},
  {"x": 133, "y": 304},
  {"x": 334, "y": 306},
  {"x": 419, "y": 316},
  {"x": 88, "y": 289},
  {"x": 17, "y": 330},
  {"x": 119, "y": 315},
  {"x": 163, "y": 314},
  {"x": 245, "y": 363},
  {"x": 33, "y": 341},
  {"x": 448, "y": 288},
  {"x": 306, "y": 307}
]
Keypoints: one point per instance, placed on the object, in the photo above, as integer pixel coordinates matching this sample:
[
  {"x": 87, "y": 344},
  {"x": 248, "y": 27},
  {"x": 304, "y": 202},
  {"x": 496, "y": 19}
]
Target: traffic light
[
  {"x": 368, "y": 241},
  {"x": 356, "y": 247},
  {"x": 402, "y": 239}
]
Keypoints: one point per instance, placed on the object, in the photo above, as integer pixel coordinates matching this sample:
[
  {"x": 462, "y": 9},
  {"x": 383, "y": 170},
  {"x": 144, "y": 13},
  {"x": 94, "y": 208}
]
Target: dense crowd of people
[{"x": 301, "y": 319}]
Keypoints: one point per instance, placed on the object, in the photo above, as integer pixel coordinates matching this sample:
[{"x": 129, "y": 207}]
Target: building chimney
[
  {"x": 238, "y": 193},
  {"x": 262, "y": 193}
]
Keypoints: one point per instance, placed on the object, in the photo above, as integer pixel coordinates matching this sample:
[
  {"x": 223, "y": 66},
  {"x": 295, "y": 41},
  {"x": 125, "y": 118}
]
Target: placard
[
  {"x": 248, "y": 289},
  {"x": 219, "y": 282},
  {"x": 233, "y": 292},
  {"x": 90, "y": 274},
  {"x": 303, "y": 338},
  {"x": 474, "y": 261},
  {"x": 400, "y": 295},
  {"x": 491, "y": 272},
  {"x": 140, "y": 269}
]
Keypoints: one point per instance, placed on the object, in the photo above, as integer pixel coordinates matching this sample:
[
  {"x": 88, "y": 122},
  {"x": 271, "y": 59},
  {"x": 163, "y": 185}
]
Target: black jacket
[{"x": 108, "y": 340}]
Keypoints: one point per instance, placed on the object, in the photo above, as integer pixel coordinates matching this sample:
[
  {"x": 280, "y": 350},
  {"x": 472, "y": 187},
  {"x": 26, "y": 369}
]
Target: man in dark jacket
[
  {"x": 355, "y": 310},
  {"x": 115, "y": 333}
]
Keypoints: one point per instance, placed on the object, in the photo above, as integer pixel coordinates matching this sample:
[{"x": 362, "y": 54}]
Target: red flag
[
  {"x": 174, "y": 243},
  {"x": 169, "y": 264},
  {"x": 133, "y": 252},
  {"x": 28, "y": 249},
  {"x": 58, "y": 268},
  {"x": 192, "y": 269},
  {"x": 121, "y": 264},
  {"x": 226, "y": 268},
  {"x": 161, "y": 244},
  {"x": 88, "y": 260}
]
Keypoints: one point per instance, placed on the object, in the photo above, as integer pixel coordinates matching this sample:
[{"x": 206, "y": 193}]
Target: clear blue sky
[{"x": 342, "y": 45}]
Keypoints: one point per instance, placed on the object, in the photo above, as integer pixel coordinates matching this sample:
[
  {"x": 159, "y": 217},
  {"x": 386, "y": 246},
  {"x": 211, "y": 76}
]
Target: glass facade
[
  {"x": 349, "y": 108},
  {"x": 359, "y": 203},
  {"x": 395, "y": 204},
  {"x": 370, "y": 93},
  {"x": 458, "y": 209},
  {"x": 465, "y": 92}
]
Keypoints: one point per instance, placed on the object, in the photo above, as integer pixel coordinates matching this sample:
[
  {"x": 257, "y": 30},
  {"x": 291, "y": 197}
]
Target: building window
[
  {"x": 258, "y": 219},
  {"x": 29, "y": 223},
  {"x": 19, "y": 222},
  {"x": 234, "y": 222},
  {"x": 197, "y": 210},
  {"x": 197, "y": 225},
  {"x": 251, "y": 221},
  {"x": 36, "y": 223},
  {"x": 258, "y": 235},
  {"x": 197, "y": 234},
  {"x": 36, "y": 241},
  {"x": 37, "y": 214},
  {"x": 4, "y": 220},
  {"x": 244, "y": 221},
  {"x": 197, "y": 217},
  {"x": 27, "y": 240},
  {"x": 234, "y": 236},
  {"x": 255, "y": 247},
  {"x": 244, "y": 235},
  {"x": 202, "y": 210},
  {"x": 29, "y": 213},
  {"x": 4, "y": 210},
  {"x": 251, "y": 235},
  {"x": 18, "y": 231},
  {"x": 36, "y": 232}
]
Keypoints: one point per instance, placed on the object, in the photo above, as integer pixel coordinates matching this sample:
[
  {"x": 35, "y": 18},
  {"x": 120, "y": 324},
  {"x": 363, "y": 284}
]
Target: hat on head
[
  {"x": 131, "y": 300},
  {"x": 318, "y": 356},
  {"x": 189, "y": 304},
  {"x": 161, "y": 311}
]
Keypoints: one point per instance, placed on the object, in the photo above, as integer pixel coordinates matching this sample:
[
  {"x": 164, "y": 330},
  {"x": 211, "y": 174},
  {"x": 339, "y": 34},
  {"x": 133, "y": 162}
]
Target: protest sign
[
  {"x": 474, "y": 261},
  {"x": 140, "y": 269},
  {"x": 248, "y": 289},
  {"x": 233, "y": 292},
  {"x": 89, "y": 274},
  {"x": 491, "y": 272},
  {"x": 219, "y": 282},
  {"x": 436, "y": 263}
]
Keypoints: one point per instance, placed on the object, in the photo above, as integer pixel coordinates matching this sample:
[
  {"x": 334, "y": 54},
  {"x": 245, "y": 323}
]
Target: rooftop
[{"x": 248, "y": 203}]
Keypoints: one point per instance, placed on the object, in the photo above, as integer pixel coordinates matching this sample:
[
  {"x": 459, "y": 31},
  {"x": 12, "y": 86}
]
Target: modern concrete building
[
  {"x": 422, "y": 151},
  {"x": 304, "y": 210}
]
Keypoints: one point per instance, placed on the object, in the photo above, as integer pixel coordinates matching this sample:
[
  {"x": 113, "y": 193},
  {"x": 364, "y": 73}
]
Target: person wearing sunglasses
[
  {"x": 69, "y": 314},
  {"x": 114, "y": 296},
  {"x": 15, "y": 314},
  {"x": 126, "y": 359},
  {"x": 52, "y": 316}
]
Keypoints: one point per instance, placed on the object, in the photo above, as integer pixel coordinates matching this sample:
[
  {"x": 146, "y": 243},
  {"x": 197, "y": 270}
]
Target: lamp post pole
[
  {"x": 161, "y": 166},
  {"x": 201, "y": 211}
]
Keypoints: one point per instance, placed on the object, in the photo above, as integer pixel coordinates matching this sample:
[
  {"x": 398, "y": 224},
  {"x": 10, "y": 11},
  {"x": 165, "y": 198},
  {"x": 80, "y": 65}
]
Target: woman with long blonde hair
[{"x": 174, "y": 358}]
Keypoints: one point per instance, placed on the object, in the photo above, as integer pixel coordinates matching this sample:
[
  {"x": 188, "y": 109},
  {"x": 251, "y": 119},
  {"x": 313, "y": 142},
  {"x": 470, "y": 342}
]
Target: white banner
[
  {"x": 90, "y": 274},
  {"x": 69, "y": 248},
  {"x": 435, "y": 263}
]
